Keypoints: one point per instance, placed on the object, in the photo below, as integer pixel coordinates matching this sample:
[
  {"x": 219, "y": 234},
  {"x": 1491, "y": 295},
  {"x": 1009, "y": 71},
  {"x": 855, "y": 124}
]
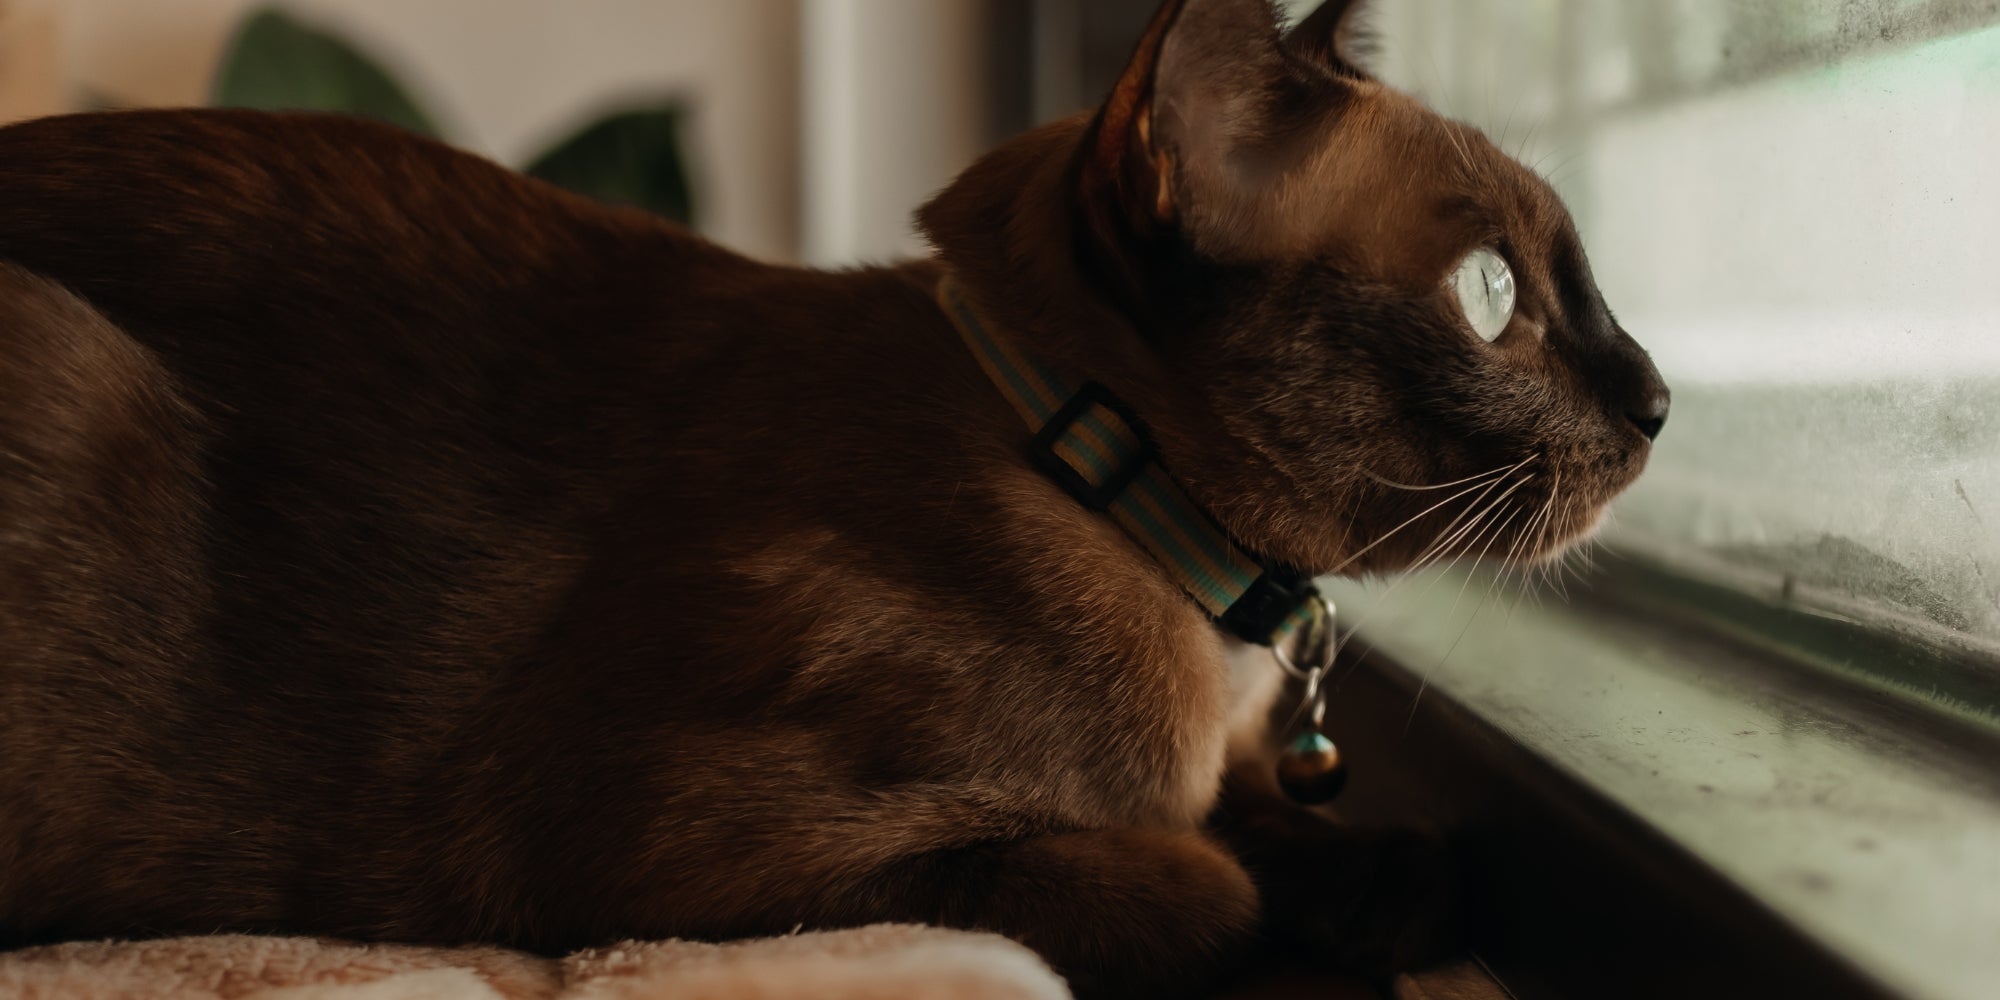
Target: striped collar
[{"x": 1099, "y": 451}]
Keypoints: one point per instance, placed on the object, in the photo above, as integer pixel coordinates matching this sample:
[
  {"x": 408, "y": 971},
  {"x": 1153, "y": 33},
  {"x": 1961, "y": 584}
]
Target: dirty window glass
[{"x": 1796, "y": 207}]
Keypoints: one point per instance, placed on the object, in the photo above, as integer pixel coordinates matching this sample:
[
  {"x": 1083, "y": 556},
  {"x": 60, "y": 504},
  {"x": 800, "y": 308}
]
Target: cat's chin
[
  {"x": 1553, "y": 537},
  {"x": 1560, "y": 542}
]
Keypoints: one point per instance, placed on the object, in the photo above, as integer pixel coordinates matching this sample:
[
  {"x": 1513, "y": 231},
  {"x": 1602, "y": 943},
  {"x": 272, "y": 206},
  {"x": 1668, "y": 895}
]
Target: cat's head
[{"x": 1299, "y": 278}]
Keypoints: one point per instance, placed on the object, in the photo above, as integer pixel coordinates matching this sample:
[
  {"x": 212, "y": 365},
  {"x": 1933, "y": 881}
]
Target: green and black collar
[{"x": 1099, "y": 451}]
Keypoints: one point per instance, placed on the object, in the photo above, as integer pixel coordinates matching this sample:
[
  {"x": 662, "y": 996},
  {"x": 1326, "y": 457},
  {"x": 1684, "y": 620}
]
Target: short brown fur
[{"x": 395, "y": 547}]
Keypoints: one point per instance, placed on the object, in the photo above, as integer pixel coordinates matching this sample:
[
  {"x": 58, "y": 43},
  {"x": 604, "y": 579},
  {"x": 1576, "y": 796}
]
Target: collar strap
[{"x": 1099, "y": 452}]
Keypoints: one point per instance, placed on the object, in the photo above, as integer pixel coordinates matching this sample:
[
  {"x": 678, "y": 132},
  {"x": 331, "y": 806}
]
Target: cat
[{"x": 393, "y": 547}]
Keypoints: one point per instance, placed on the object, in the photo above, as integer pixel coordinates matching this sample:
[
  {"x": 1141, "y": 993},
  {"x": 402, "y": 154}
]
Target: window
[
  {"x": 1788, "y": 665},
  {"x": 1792, "y": 206}
]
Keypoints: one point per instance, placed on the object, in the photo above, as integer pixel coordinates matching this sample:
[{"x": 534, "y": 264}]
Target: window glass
[{"x": 1795, "y": 206}]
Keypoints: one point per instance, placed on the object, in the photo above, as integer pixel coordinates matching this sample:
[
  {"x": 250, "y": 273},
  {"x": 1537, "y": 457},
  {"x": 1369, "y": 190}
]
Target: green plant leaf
[
  {"x": 279, "y": 64},
  {"x": 631, "y": 157}
]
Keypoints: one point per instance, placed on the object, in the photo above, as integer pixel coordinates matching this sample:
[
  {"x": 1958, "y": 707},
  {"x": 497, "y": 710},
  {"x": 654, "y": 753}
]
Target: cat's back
[
  {"x": 309, "y": 428},
  {"x": 234, "y": 229},
  {"x": 401, "y": 366},
  {"x": 191, "y": 173}
]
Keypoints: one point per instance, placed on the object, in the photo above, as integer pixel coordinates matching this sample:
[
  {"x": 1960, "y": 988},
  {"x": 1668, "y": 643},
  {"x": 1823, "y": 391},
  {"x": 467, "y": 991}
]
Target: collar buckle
[
  {"x": 1272, "y": 600},
  {"x": 1060, "y": 446}
]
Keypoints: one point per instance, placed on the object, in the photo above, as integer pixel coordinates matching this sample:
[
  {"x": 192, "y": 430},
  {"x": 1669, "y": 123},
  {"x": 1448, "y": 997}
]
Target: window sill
[{"x": 1648, "y": 806}]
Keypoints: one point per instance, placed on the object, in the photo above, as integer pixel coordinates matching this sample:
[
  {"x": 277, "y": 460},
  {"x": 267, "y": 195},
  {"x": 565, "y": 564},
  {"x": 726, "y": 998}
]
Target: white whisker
[
  {"x": 1424, "y": 684},
  {"x": 1470, "y": 570},
  {"x": 1420, "y": 516},
  {"x": 1466, "y": 548},
  {"x": 1526, "y": 545},
  {"x": 1447, "y": 537},
  {"x": 1562, "y": 567},
  {"x": 1523, "y": 544},
  {"x": 1432, "y": 555},
  {"x": 1419, "y": 489}
]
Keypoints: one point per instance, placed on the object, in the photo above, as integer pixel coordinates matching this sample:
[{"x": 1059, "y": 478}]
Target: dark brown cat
[{"x": 395, "y": 547}]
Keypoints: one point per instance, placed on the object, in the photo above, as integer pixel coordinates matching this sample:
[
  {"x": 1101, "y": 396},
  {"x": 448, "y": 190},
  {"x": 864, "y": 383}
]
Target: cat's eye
[{"x": 1485, "y": 289}]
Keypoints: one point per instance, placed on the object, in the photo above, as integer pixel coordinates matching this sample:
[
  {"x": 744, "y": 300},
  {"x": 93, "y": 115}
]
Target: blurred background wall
[
  {"x": 504, "y": 77},
  {"x": 816, "y": 125}
]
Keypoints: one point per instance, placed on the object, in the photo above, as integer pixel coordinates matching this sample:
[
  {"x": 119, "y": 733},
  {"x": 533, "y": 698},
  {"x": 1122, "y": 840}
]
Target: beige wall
[
  {"x": 28, "y": 77},
  {"x": 894, "y": 100},
  {"x": 503, "y": 77}
]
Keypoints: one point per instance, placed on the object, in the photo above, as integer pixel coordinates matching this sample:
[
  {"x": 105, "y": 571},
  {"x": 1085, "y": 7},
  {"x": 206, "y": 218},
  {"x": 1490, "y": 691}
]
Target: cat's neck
[{"x": 1009, "y": 232}]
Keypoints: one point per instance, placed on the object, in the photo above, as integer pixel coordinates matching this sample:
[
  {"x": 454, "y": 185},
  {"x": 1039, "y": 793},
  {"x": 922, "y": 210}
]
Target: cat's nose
[
  {"x": 1632, "y": 389},
  {"x": 1649, "y": 412}
]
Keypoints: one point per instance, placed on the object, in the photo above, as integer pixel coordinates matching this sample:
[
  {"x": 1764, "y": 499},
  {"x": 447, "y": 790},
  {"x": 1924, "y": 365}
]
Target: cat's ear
[
  {"x": 1335, "y": 37},
  {"x": 1201, "y": 84}
]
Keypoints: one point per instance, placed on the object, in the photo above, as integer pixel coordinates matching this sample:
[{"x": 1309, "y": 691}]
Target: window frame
[{"x": 1573, "y": 889}]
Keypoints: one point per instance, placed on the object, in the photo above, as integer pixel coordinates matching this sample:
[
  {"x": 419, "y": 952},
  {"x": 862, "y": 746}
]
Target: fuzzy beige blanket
[{"x": 884, "y": 962}]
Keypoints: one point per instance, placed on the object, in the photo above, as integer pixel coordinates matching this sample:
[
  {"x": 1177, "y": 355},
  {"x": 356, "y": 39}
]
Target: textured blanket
[
  {"x": 871, "y": 963},
  {"x": 884, "y": 962}
]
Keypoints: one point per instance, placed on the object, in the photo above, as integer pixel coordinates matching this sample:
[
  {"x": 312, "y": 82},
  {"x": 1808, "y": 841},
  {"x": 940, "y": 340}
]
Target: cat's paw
[
  {"x": 1388, "y": 902},
  {"x": 1382, "y": 902}
]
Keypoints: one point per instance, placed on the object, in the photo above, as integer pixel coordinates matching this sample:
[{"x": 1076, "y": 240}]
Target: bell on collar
[{"x": 1310, "y": 770}]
